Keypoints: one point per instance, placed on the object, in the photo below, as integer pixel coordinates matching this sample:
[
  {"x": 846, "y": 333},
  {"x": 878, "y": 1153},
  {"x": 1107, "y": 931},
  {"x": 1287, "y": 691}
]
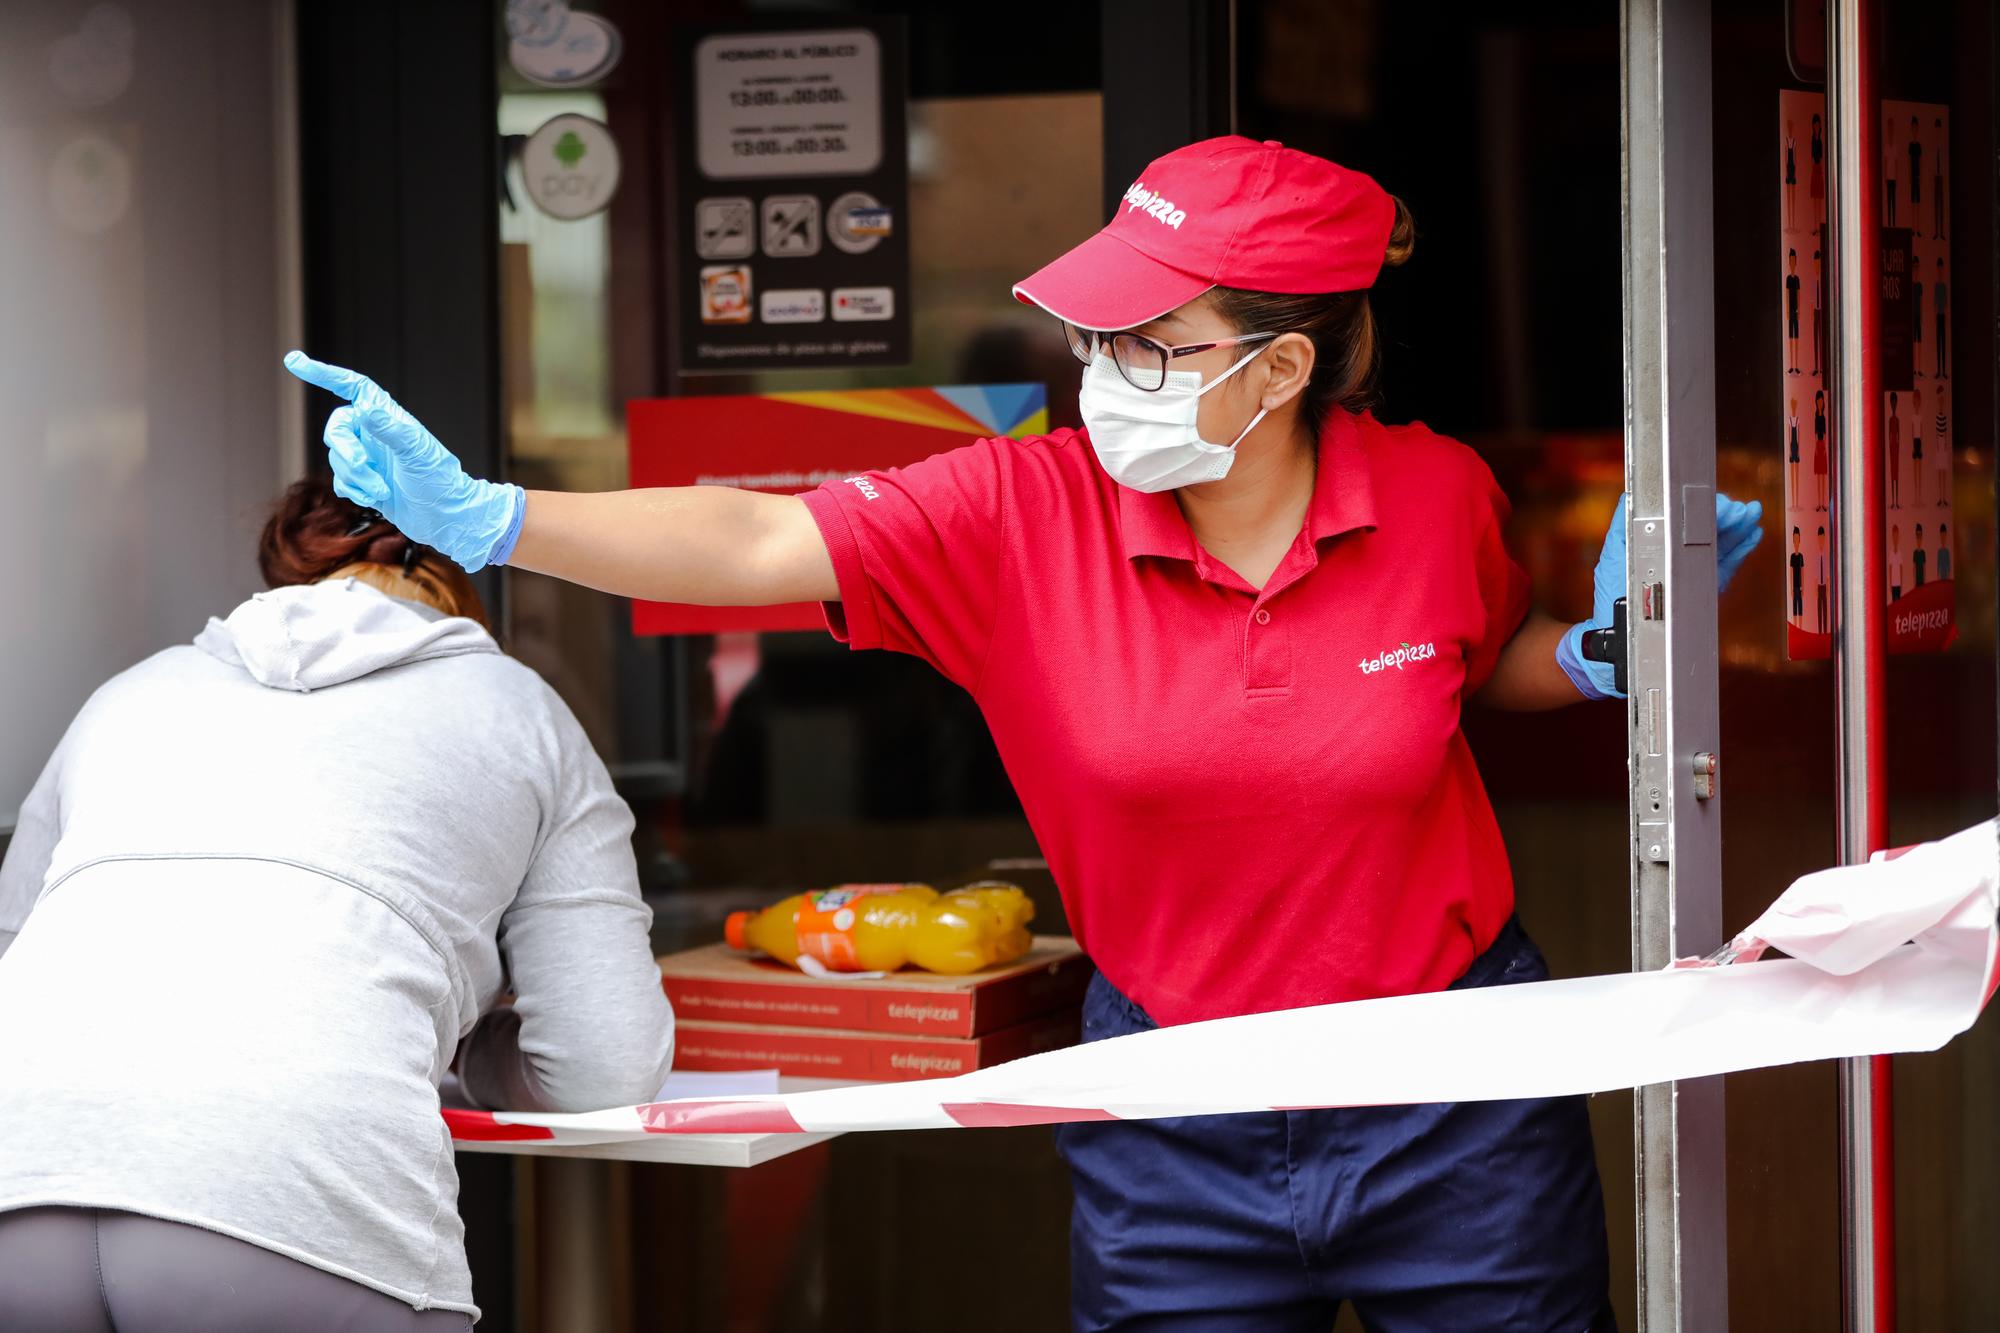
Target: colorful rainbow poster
[{"x": 786, "y": 443}]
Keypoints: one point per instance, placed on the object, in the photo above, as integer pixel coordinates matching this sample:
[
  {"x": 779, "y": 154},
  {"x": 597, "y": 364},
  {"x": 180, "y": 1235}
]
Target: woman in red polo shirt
[{"x": 1222, "y": 637}]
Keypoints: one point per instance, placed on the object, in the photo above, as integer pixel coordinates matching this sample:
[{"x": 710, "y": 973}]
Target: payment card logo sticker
[
  {"x": 791, "y": 226},
  {"x": 863, "y": 303},
  {"x": 725, "y": 294},
  {"x": 856, "y": 222},
  {"x": 723, "y": 228},
  {"x": 804, "y": 305}
]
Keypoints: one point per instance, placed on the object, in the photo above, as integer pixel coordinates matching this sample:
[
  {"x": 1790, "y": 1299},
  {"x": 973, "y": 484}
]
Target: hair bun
[{"x": 1402, "y": 236}]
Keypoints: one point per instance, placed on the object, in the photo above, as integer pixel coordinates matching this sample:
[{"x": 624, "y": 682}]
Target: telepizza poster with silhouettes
[
  {"x": 792, "y": 236},
  {"x": 1912, "y": 344},
  {"x": 788, "y": 443},
  {"x": 1919, "y": 406}
]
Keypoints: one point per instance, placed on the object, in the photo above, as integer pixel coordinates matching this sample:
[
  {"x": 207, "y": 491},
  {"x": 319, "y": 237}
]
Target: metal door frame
[
  {"x": 1673, "y": 725},
  {"x": 1860, "y": 646}
]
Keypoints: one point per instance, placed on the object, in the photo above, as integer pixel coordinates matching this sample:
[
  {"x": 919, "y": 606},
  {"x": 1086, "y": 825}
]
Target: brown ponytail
[
  {"x": 314, "y": 534},
  {"x": 1341, "y": 325}
]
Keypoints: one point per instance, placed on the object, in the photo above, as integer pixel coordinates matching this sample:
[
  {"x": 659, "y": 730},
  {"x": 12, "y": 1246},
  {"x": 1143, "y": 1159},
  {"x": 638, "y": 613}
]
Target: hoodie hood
[{"x": 309, "y": 636}]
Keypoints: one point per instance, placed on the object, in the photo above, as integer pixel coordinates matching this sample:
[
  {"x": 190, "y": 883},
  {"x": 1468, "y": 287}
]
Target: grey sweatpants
[{"x": 96, "y": 1270}]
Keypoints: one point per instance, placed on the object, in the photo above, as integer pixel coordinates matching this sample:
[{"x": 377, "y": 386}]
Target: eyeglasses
[{"x": 1142, "y": 360}]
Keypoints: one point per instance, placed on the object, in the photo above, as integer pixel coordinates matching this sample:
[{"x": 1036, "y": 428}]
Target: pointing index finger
[{"x": 342, "y": 383}]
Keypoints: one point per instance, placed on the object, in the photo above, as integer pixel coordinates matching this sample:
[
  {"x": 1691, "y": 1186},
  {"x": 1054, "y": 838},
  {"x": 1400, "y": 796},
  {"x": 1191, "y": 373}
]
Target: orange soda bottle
[{"x": 883, "y": 927}]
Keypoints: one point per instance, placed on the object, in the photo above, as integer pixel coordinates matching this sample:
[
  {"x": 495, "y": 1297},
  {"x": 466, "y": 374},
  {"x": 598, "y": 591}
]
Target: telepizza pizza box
[
  {"x": 716, "y": 984},
  {"x": 877, "y": 1057}
]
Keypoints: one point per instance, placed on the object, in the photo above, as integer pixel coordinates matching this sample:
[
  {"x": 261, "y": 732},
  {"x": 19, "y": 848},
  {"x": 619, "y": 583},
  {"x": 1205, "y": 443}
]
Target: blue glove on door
[{"x": 1738, "y": 529}]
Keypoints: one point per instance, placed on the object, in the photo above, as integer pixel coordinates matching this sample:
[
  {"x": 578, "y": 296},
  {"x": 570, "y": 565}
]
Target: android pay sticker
[{"x": 570, "y": 167}]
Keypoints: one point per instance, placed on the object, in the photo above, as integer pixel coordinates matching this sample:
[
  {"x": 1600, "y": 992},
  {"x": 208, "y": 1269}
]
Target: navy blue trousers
[{"x": 1445, "y": 1217}]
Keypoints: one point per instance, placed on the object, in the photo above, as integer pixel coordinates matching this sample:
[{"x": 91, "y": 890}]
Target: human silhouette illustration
[
  {"x": 1792, "y": 312},
  {"x": 1791, "y": 175},
  {"x": 1943, "y": 450},
  {"x": 1916, "y": 440},
  {"x": 1941, "y": 312},
  {"x": 1895, "y": 456},
  {"x": 1943, "y": 554},
  {"x": 1895, "y": 562},
  {"x": 1916, "y": 168},
  {"x": 1820, "y": 593},
  {"x": 1889, "y": 156},
  {"x": 1819, "y": 313},
  {"x": 1937, "y": 182},
  {"x": 1798, "y": 563},
  {"x": 1792, "y": 454},
  {"x": 1917, "y": 316},
  {"x": 1817, "y": 189},
  {"x": 1917, "y": 558},
  {"x": 1819, "y": 471}
]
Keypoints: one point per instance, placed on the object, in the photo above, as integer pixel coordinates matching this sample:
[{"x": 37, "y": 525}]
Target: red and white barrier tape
[{"x": 1897, "y": 955}]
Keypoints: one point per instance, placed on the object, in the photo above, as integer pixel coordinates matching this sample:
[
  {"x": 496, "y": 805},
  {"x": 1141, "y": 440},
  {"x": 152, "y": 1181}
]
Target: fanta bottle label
[{"x": 826, "y": 920}]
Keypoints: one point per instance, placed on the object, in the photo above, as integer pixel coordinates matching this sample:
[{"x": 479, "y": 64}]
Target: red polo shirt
[{"x": 1250, "y": 800}]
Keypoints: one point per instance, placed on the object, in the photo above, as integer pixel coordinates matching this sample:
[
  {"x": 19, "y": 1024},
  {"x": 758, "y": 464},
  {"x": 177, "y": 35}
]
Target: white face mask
[{"x": 1150, "y": 441}]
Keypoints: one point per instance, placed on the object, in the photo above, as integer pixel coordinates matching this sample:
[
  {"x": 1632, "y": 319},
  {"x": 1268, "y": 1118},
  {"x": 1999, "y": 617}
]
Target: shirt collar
[{"x": 1343, "y": 497}]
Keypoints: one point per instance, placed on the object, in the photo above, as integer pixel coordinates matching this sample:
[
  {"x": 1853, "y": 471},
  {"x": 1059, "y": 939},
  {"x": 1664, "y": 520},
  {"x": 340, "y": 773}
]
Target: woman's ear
[{"x": 1290, "y": 358}]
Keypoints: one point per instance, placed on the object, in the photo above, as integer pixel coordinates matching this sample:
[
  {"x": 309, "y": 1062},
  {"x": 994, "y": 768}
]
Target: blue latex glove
[
  {"x": 1738, "y": 529},
  {"x": 384, "y": 459}
]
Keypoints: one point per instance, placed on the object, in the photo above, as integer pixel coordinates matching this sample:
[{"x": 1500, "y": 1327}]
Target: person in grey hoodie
[{"x": 267, "y": 887}]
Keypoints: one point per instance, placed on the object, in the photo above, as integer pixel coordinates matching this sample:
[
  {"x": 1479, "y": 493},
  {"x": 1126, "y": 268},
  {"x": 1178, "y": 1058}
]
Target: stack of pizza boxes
[{"x": 735, "y": 1011}]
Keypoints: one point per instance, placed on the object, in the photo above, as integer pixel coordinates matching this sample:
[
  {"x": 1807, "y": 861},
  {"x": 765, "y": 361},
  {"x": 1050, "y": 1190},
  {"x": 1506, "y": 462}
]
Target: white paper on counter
[{"x": 698, "y": 1083}]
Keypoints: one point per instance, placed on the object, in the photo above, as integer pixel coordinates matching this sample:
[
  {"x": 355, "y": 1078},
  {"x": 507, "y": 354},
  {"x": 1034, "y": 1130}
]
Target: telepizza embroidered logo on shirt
[
  {"x": 865, "y": 486},
  {"x": 1398, "y": 657}
]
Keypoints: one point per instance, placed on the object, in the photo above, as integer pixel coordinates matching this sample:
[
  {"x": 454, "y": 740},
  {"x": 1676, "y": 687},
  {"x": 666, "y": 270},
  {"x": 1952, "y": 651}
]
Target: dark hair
[
  {"x": 313, "y": 532},
  {"x": 1347, "y": 355}
]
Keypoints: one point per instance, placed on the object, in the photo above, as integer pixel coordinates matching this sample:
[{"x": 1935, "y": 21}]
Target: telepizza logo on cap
[{"x": 1138, "y": 196}]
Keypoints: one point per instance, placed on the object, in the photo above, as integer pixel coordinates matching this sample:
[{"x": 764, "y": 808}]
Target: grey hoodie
[{"x": 265, "y": 886}]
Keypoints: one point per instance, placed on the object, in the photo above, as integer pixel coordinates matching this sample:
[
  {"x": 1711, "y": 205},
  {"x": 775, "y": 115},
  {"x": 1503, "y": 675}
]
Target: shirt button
[{"x": 1263, "y": 617}]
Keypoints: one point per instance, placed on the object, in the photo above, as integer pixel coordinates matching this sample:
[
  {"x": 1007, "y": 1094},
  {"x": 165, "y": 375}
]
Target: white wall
[{"x": 148, "y": 265}]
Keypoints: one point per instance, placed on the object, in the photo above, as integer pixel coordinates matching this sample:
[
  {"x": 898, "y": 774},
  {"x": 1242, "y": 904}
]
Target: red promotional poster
[
  {"x": 1804, "y": 421},
  {"x": 1918, "y": 408},
  {"x": 1913, "y": 343},
  {"x": 786, "y": 443}
]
